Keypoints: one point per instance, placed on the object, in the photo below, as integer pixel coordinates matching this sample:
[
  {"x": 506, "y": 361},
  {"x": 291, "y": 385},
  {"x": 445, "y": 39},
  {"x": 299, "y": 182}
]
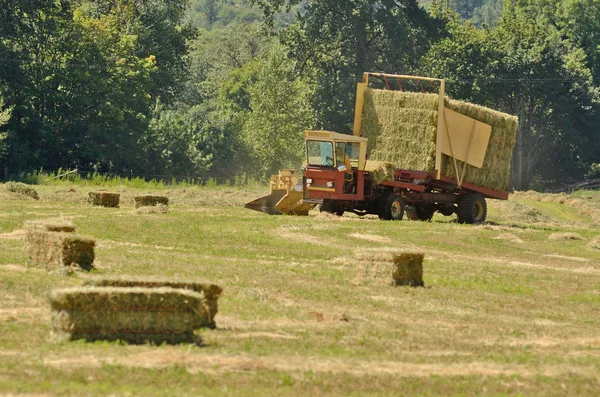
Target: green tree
[
  {"x": 334, "y": 43},
  {"x": 525, "y": 66},
  {"x": 280, "y": 112}
]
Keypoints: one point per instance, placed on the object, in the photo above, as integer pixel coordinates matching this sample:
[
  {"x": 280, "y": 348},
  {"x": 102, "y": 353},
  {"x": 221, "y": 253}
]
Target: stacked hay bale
[
  {"x": 104, "y": 199},
  {"x": 134, "y": 315},
  {"x": 381, "y": 170},
  {"x": 210, "y": 292},
  {"x": 150, "y": 201},
  {"x": 55, "y": 246},
  {"x": 392, "y": 267},
  {"x": 402, "y": 129}
]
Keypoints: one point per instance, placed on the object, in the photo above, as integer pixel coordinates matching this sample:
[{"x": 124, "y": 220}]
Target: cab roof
[{"x": 332, "y": 136}]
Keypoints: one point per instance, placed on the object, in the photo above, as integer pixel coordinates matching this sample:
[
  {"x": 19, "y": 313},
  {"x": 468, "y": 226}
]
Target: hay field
[{"x": 505, "y": 309}]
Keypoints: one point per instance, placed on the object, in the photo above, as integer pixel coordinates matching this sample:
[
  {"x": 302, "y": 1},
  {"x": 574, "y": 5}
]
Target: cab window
[{"x": 319, "y": 153}]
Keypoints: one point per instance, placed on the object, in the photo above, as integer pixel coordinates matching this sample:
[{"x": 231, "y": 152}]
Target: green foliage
[
  {"x": 89, "y": 74},
  {"x": 334, "y": 43},
  {"x": 280, "y": 112},
  {"x": 4, "y": 118},
  {"x": 527, "y": 67},
  {"x": 594, "y": 171}
]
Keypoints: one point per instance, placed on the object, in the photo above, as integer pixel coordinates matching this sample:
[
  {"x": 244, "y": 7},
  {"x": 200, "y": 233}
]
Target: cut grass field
[{"x": 506, "y": 309}]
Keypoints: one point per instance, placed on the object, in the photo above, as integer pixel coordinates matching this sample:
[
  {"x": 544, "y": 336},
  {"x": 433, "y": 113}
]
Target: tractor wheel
[
  {"x": 472, "y": 208},
  {"x": 391, "y": 208},
  {"x": 447, "y": 210},
  {"x": 419, "y": 212},
  {"x": 331, "y": 208}
]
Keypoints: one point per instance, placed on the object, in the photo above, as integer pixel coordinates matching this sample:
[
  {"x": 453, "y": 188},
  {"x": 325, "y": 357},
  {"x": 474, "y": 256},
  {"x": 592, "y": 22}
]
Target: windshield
[{"x": 319, "y": 153}]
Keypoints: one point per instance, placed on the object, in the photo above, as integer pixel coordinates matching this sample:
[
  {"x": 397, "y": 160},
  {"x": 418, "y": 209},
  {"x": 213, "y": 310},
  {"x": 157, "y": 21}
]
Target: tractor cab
[{"x": 334, "y": 166}]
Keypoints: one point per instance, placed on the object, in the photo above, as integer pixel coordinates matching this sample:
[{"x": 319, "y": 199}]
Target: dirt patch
[
  {"x": 303, "y": 237},
  {"x": 569, "y": 258},
  {"x": 25, "y": 314},
  {"x": 371, "y": 237},
  {"x": 564, "y": 237},
  {"x": 197, "y": 361},
  {"x": 18, "y": 234},
  {"x": 509, "y": 237}
]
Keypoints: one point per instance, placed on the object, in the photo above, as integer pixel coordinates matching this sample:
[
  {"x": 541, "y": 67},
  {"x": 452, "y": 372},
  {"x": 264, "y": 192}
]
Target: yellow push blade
[
  {"x": 266, "y": 203},
  {"x": 292, "y": 204}
]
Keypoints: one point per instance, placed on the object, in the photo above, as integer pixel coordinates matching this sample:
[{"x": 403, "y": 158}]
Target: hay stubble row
[{"x": 486, "y": 320}]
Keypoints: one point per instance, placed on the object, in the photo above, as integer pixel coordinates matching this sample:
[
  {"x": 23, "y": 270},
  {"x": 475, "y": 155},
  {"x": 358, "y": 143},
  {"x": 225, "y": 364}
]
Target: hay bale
[
  {"x": 149, "y": 201},
  {"x": 381, "y": 170},
  {"x": 157, "y": 209},
  {"x": 56, "y": 250},
  {"x": 133, "y": 315},
  {"x": 209, "y": 292},
  {"x": 402, "y": 129},
  {"x": 595, "y": 243},
  {"x": 394, "y": 267},
  {"x": 22, "y": 189},
  {"x": 104, "y": 199},
  {"x": 564, "y": 237},
  {"x": 408, "y": 269}
]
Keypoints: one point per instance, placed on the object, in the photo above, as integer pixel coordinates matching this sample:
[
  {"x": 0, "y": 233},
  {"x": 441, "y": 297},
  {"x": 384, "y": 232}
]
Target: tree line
[{"x": 225, "y": 88}]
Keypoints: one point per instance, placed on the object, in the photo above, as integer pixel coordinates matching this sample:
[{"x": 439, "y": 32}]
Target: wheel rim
[
  {"x": 396, "y": 209},
  {"x": 478, "y": 211}
]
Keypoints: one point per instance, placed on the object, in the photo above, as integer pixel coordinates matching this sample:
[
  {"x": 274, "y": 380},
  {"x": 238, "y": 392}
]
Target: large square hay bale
[
  {"x": 104, "y": 199},
  {"x": 402, "y": 129},
  {"x": 210, "y": 292},
  {"x": 149, "y": 201},
  {"x": 133, "y": 315},
  {"x": 389, "y": 267},
  {"x": 56, "y": 250},
  {"x": 408, "y": 268}
]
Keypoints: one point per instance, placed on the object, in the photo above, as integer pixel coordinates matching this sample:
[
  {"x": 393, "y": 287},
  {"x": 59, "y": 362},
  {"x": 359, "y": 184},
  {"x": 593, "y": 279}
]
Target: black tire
[
  {"x": 472, "y": 209},
  {"x": 391, "y": 208},
  {"x": 330, "y": 207},
  {"x": 419, "y": 212},
  {"x": 447, "y": 210}
]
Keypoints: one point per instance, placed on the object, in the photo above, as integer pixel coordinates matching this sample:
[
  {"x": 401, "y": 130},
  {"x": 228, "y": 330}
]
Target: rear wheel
[
  {"x": 472, "y": 208},
  {"x": 391, "y": 208},
  {"x": 420, "y": 212},
  {"x": 331, "y": 207}
]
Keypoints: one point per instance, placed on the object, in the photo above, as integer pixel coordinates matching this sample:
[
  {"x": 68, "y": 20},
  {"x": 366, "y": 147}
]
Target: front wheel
[
  {"x": 391, "y": 208},
  {"x": 420, "y": 212},
  {"x": 472, "y": 208},
  {"x": 331, "y": 208}
]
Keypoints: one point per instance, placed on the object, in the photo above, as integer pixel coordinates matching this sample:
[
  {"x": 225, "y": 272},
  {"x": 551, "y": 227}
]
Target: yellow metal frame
[
  {"x": 334, "y": 137},
  {"x": 458, "y": 136}
]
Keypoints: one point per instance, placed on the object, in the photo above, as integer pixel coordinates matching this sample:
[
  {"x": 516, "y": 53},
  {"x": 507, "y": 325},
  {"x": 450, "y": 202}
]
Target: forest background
[{"x": 180, "y": 89}]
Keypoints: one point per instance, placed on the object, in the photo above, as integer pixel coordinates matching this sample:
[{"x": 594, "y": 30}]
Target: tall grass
[{"x": 70, "y": 177}]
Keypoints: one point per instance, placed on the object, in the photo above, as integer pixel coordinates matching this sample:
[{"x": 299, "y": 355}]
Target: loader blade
[
  {"x": 292, "y": 204},
  {"x": 266, "y": 203}
]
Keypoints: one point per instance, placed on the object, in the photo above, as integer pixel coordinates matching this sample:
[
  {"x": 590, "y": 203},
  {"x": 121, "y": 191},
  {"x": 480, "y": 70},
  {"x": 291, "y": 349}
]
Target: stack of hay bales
[
  {"x": 209, "y": 292},
  {"x": 104, "y": 199},
  {"x": 55, "y": 246},
  {"x": 381, "y": 170},
  {"x": 392, "y": 267},
  {"x": 134, "y": 315},
  {"x": 402, "y": 129},
  {"x": 150, "y": 201}
]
